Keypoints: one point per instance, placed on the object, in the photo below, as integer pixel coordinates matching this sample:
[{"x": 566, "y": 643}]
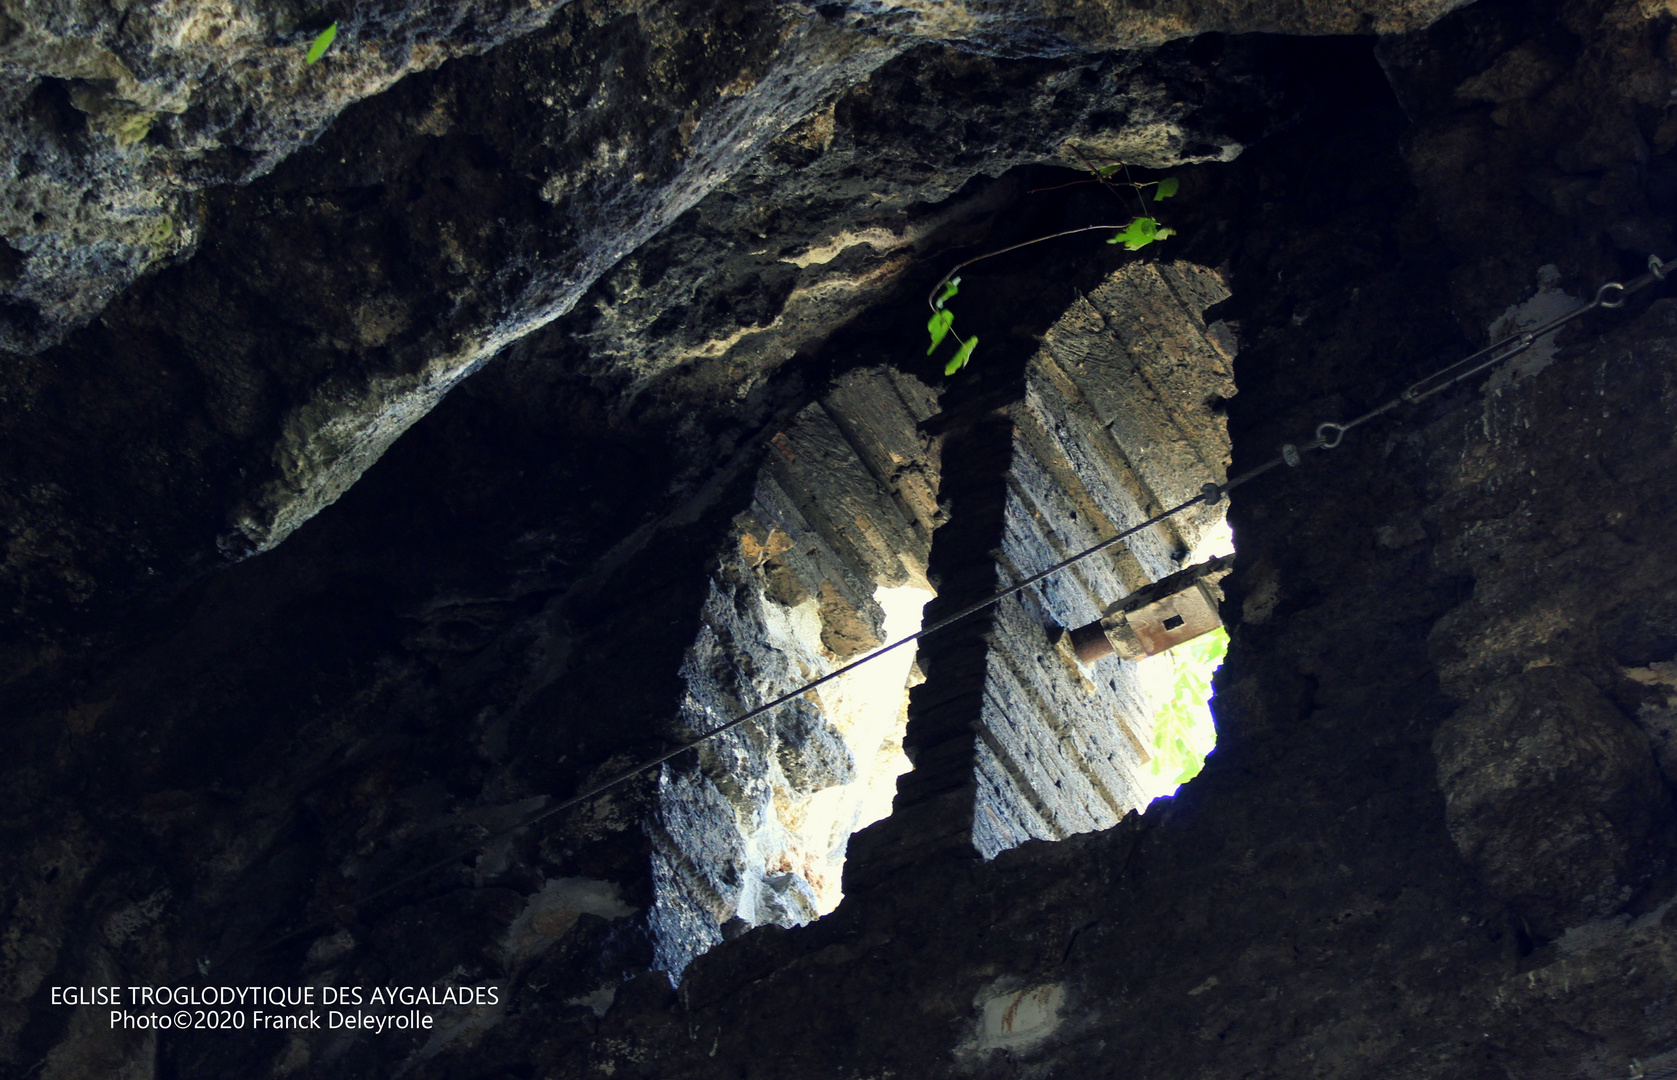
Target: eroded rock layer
[{"x": 1436, "y": 838}]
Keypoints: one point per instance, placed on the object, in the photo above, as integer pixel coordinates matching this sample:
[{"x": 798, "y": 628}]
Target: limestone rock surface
[
  {"x": 418, "y": 246},
  {"x": 1553, "y": 796},
  {"x": 799, "y": 170},
  {"x": 1048, "y": 26},
  {"x": 116, "y": 116},
  {"x": 496, "y": 611}
]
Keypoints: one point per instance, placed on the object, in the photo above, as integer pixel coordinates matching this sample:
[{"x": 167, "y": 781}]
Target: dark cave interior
[{"x": 258, "y": 666}]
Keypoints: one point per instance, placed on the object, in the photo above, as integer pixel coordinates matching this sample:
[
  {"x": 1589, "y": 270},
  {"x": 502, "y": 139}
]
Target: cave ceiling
[{"x": 385, "y": 440}]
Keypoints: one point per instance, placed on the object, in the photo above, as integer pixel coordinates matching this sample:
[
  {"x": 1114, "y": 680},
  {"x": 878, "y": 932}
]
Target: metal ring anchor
[
  {"x": 1322, "y": 438},
  {"x": 1601, "y": 295}
]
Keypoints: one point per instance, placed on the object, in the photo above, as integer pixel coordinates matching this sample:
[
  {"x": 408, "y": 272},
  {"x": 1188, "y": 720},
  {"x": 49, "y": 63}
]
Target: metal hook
[
  {"x": 1601, "y": 295},
  {"x": 1322, "y": 438}
]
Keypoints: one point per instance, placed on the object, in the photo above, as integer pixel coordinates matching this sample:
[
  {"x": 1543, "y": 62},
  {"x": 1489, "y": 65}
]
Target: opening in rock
[
  {"x": 1177, "y": 685},
  {"x": 829, "y": 564},
  {"x": 870, "y": 706},
  {"x": 1019, "y": 732},
  {"x": 1106, "y": 417}
]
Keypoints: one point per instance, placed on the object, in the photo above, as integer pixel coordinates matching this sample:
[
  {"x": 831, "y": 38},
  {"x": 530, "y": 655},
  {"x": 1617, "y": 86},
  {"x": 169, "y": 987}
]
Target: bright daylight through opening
[{"x": 1177, "y": 683}]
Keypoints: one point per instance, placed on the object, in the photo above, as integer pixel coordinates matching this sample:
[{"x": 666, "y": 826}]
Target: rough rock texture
[
  {"x": 449, "y": 230},
  {"x": 1303, "y": 908},
  {"x": 496, "y": 613},
  {"x": 836, "y": 215},
  {"x": 1526, "y": 133},
  {"x": 1553, "y": 796},
  {"x": 1012, "y": 29},
  {"x": 118, "y": 116},
  {"x": 481, "y": 588},
  {"x": 470, "y": 206}
]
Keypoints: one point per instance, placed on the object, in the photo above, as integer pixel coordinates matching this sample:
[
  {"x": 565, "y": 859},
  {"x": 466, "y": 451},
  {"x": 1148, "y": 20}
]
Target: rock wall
[
  {"x": 1432, "y": 840},
  {"x": 118, "y": 119},
  {"x": 469, "y": 207},
  {"x": 1367, "y": 880}
]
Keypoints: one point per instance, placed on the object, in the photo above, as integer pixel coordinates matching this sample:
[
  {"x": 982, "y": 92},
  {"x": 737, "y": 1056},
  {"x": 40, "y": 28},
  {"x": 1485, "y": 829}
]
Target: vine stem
[
  {"x": 1104, "y": 182},
  {"x": 1097, "y": 180},
  {"x": 931, "y": 297}
]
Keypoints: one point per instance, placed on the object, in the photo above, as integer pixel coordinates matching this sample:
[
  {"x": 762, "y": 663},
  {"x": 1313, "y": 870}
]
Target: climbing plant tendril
[
  {"x": 1140, "y": 231},
  {"x": 939, "y": 325}
]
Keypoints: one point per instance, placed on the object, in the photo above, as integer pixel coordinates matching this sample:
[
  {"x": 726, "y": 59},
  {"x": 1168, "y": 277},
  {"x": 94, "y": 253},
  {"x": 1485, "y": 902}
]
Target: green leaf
[
  {"x": 321, "y": 44},
  {"x": 1141, "y": 232},
  {"x": 1183, "y": 732},
  {"x": 950, "y": 288},
  {"x": 1107, "y": 170},
  {"x": 1169, "y": 186},
  {"x": 1209, "y": 649},
  {"x": 962, "y": 355},
  {"x": 938, "y": 324}
]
